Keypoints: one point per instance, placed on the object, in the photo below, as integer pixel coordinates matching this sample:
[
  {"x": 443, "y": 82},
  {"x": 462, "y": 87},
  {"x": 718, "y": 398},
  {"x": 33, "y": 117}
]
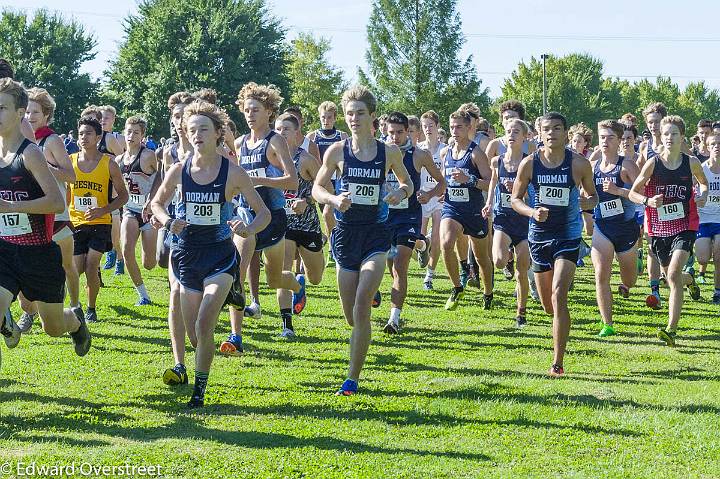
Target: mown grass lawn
[{"x": 460, "y": 394}]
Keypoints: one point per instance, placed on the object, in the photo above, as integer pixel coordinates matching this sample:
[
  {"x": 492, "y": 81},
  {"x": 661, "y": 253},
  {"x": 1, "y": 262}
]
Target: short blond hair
[
  {"x": 179, "y": 98},
  {"x": 431, "y": 115},
  {"x": 674, "y": 120},
  {"x": 207, "y": 94},
  {"x": 137, "y": 120},
  {"x": 581, "y": 129},
  {"x": 16, "y": 90},
  {"x": 93, "y": 111},
  {"x": 45, "y": 100},
  {"x": 613, "y": 125},
  {"x": 108, "y": 108},
  {"x": 327, "y": 106},
  {"x": 471, "y": 109},
  {"x": 362, "y": 94},
  {"x": 414, "y": 121},
  {"x": 203, "y": 108},
  {"x": 268, "y": 95},
  {"x": 518, "y": 122},
  {"x": 462, "y": 115}
]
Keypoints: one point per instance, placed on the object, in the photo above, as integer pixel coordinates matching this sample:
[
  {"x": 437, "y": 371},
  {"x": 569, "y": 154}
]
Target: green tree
[
  {"x": 173, "y": 45},
  {"x": 47, "y": 51},
  {"x": 413, "y": 58},
  {"x": 575, "y": 87},
  {"x": 314, "y": 79}
]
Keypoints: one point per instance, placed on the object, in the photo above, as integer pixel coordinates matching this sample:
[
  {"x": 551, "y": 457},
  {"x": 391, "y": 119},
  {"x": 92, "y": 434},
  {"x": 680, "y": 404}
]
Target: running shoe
[
  {"x": 175, "y": 375},
  {"x": 668, "y": 337},
  {"x": 232, "y": 346},
  {"x": 287, "y": 333},
  {"x": 119, "y": 268},
  {"x": 391, "y": 327},
  {"x": 654, "y": 300},
  {"x": 556, "y": 371},
  {"x": 91, "y": 316},
  {"x": 81, "y": 338},
  {"x": 300, "y": 299},
  {"x": 424, "y": 256},
  {"x": 701, "y": 279},
  {"x": 110, "y": 259},
  {"x": 520, "y": 321},
  {"x": 143, "y": 302},
  {"x": 454, "y": 299},
  {"x": 348, "y": 388},
  {"x": 580, "y": 263},
  {"x": 473, "y": 278},
  {"x": 377, "y": 300},
  {"x": 26, "y": 322},
  {"x": 624, "y": 291},
  {"x": 427, "y": 284},
  {"x": 694, "y": 290},
  {"x": 607, "y": 330},
  {"x": 196, "y": 402},
  {"x": 10, "y": 331},
  {"x": 253, "y": 311},
  {"x": 236, "y": 296},
  {"x": 487, "y": 301},
  {"x": 716, "y": 298},
  {"x": 509, "y": 270}
]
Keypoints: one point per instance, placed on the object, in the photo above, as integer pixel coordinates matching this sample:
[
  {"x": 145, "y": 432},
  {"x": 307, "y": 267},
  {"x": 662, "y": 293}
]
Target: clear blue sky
[{"x": 634, "y": 39}]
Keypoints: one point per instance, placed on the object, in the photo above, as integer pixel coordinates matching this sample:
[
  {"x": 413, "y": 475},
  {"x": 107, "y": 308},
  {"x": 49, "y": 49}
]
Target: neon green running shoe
[
  {"x": 454, "y": 299},
  {"x": 668, "y": 337},
  {"x": 607, "y": 330}
]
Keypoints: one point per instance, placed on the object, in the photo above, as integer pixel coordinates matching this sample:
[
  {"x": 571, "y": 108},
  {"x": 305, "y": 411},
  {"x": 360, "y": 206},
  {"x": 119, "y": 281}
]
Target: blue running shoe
[
  {"x": 110, "y": 259},
  {"x": 377, "y": 300},
  {"x": 233, "y": 346},
  {"x": 299, "y": 299},
  {"x": 348, "y": 388},
  {"x": 119, "y": 268},
  {"x": 143, "y": 302}
]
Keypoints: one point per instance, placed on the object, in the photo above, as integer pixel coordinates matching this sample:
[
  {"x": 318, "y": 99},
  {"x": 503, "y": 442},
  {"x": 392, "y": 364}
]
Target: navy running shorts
[
  {"x": 473, "y": 225},
  {"x": 708, "y": 230},
  {"x": 622, "y": 235},
  {"x": 353, "y": 245},
  {"x": 193, "y": 266},
  {"x": 544, "y": 254}
]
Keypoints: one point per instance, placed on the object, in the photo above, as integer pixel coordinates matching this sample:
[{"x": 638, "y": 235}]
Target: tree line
[{"x": 412, "y": 52}]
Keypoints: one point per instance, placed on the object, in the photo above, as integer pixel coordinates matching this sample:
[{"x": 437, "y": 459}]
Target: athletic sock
[
  {"x": 654, "y": 285},
  {"x": 142, "y": 291},
  {"x": 286, "y": 315},
  {"x": 430, "y": 273},
  {"x": 201, "y": 380},
  {"x": 395, "y": 315}
]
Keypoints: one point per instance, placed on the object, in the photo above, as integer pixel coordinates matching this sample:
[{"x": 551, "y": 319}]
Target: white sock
[
  {"x": 395, "y": 315},
  {"x": 142, "y": 291},
  {"x": 430, "y": 273}
]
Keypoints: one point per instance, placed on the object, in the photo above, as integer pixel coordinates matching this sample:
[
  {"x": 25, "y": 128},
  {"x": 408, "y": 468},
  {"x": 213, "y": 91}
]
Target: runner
[
  {"x": 304, "y": 142},
  {"x": 432, "y": 210},
  {"x": 265, "y": 156},
  {"x": 511, "y": 229},
  {"x": 303, "y": 234},
  {"x": 178, "y": 152},
  {"x": 228, "y": 147},
  {"x": 29, "y": 261},
  {"x": 139, "y": 167},
  {"x": 405, "y": 218},
  {"x": 704, "y": 128},
  {"x": 616, "y": 231},
  {"x": 653, "y": 114},
  {"x": 467, "y": 172},
  {"x": 552, "y": 176},
  {"x": 90, "y": 206},
  {"x": 204, "y": 260},
  {"x": 323, "y": 137},
  {"x": 361, "y": 239},
  {"x": 39, "y": 113},
  {"x": 628, "y": 151},
  {"x": 666, "y": 183},
  {"x": 707, "y": 244}
]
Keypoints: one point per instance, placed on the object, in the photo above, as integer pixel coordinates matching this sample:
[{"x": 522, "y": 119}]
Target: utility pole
[{"x": 544, "y": 57}]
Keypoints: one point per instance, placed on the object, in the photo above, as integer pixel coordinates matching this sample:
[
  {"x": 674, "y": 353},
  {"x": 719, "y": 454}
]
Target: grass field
[{"x": 459, "y": 394}]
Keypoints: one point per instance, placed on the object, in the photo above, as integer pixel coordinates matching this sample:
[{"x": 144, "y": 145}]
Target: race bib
[
  {"x": 505, "y": 200},
  {"x": 713, "y": 200},
  {"x": 427, "y": 179},
  {"x": 554, "y": 195},
  {"x": 459, "y": 195},
  {"x": 257, "y": 173},
  {"x": 14, "y": 224},
  {"x": 136, "y": 201},
  {"x": 202, "y": 214},
  {"x": 672, "y": 211},
  {"x": 289, "y": 200},
  {"x": 361, "y": 194},
  {"x": 84, "y": 203},
  {"x": 611, "y": 208}
]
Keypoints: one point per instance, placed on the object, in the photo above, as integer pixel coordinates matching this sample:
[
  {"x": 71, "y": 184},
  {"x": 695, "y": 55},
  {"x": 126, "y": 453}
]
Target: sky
[{"x": 634, "y": 39}]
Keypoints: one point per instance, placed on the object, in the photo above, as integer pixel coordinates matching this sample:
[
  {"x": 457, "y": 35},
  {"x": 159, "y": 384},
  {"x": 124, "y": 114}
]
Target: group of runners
[{"x": 216, "y": 210}]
